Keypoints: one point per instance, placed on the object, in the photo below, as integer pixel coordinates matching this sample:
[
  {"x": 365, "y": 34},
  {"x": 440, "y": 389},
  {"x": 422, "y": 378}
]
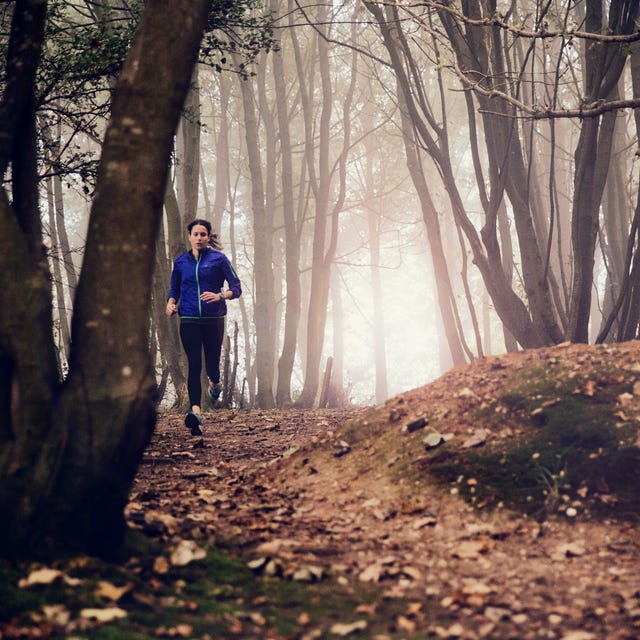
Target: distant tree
[{"x": 529, "y": 62}]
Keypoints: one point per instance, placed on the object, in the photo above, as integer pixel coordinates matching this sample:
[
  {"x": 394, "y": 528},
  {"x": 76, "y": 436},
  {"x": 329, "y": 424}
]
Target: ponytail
[{"x": 214, "y": 241}]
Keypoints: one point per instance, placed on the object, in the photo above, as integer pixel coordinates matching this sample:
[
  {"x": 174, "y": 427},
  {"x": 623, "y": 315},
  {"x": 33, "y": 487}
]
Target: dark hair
[
  {"x": 205, "y": 223},
  {"x": 213, "y": 236}
]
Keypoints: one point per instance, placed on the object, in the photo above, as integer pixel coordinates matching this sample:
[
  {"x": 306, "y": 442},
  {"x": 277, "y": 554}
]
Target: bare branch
[{"x": 497, "y": 20}]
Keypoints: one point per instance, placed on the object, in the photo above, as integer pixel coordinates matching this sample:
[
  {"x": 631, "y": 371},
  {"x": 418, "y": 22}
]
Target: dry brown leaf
[
  {"x": 103, "y": 615},
  {"x": 412, "y": 572},
  {"x": 427, "y": 521},
  {"x": 405, "y": 624},
  {"x": 342, "y": 629},
  {"x": 303, "y": 619},
  {"x": 57, "y": 614},
  {"x": 369, "y": 609},
  {"x": 187, "y": 551},
  {"x": 161, "y": 565},
  {"x": 371, "y": 574},
  {"x": 470, "y": 549},
  {"x": 110, "y": 591},
  {"x": 40, "y": 576},
  {"x": 569, "y": 550}
]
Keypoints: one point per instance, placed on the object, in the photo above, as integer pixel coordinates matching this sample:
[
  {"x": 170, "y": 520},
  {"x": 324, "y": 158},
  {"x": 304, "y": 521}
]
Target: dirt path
[{"x": 459, "y": 573}]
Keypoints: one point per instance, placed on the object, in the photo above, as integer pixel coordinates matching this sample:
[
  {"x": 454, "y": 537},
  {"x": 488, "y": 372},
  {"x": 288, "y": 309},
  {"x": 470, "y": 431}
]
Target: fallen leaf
[
  {"x": 405, "y": 624},
  {"x": 341, "y": 629},
  {"x": 161, "y": 521},
  {"x": 496, "y": 614},
  {"x": 456, "y": 630},
  {"x": 110, "y": 591},
  {"x": 40, "y": 576},
  {"x": 272, "y": 547},
  {"x": 371, "y": 574},
  {"x": 179, "y": 631},
  {"x": 308, "y": 573},
  {"x": 103, "y": 615},
  {"x": 369, "y": 609},
  {"x": 257, "y": 564},
  {"x": 475, "y": 593},
  {"x": 161, "y": 565},
  {"x": 57, "y": 614},
  {"x": 303, "y": 619},
  {"x": 187, "y": 551},
  {"x": 569, "y": 550},
  {"x": 412, "y": 572},
  {"x": 470, "y": 549},
  {"x": 342, "y": 448},
  {"x": 427, "y": 521}
]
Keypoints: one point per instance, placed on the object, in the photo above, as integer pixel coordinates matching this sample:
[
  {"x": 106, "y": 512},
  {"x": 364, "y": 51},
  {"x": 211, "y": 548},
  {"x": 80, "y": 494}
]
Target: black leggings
[{"x": 195, "y": 337}]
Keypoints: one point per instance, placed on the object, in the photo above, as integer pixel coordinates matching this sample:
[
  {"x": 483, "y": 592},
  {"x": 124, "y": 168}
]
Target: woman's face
[{"x": 199, "y": 237}]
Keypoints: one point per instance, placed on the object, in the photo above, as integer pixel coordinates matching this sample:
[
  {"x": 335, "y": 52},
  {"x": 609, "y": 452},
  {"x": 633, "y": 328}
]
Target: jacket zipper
[{"x": 198, "y": 284}]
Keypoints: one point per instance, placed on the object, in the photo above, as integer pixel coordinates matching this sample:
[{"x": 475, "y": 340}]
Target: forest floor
[{"x": 501, "y": 501}]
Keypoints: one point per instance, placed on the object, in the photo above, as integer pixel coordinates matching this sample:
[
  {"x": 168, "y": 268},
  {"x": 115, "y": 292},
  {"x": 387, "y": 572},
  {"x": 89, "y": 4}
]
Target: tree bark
[
  {"x": 263, "y": 256},
  {"x": 68, "y": 454},
  {"x": 291, "y": 238},
  {"x": 325, "y": 230}
]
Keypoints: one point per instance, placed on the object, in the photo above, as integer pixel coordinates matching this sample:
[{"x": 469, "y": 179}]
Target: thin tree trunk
[
  {"x": 263, "y": 260},
  {"x": 188, "y": 153},
  {"x": 291, "y": 236}
]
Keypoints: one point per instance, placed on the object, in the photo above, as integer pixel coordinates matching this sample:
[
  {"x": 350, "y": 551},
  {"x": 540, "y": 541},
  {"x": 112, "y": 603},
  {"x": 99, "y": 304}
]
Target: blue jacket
[{"x": 191, "y": 277}]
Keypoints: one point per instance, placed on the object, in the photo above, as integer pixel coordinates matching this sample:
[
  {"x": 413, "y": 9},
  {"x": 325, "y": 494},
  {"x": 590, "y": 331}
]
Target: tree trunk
[
  {"x": 291, "y": 238},
  {"x": 263, "y": 250},
  {"x": 60, "y": 308},
  {"x": 68, "y": 454},
  {"x": 325, "y": 230},
  {"x": 169, "y": 246},
  {"x": 222, "y": 153},
  {"x": 188, "y": 153}
]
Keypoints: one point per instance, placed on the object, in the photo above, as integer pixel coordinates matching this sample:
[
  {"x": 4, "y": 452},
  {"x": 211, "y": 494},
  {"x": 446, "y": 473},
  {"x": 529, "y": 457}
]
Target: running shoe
[
  {"x": 214, "y": 392},
  {"x": 193, "y": 421}
]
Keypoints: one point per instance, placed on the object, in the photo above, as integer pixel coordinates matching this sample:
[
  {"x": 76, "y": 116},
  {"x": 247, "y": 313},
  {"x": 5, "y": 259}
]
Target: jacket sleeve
[
  {"x": 232, "y": 278},
  {"x": 176, "y": 279}
]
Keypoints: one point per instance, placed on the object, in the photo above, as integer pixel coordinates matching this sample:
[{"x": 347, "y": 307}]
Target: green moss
[
  {"x": 218, "y": 596},
  {"x": 570, "y": 450}
]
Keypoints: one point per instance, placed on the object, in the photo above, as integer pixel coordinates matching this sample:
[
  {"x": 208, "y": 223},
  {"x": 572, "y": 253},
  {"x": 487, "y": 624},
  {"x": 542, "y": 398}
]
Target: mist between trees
[{"x": 401, "y": 187}]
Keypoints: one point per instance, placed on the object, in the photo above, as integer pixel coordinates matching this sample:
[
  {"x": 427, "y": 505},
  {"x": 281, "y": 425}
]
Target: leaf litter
[{"x": 352, "y": 522}]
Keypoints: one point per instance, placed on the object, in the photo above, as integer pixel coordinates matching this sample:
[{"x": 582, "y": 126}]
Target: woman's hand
[
  {"x": 171, "y": 307},
  {"x": 210, "y": 296}
]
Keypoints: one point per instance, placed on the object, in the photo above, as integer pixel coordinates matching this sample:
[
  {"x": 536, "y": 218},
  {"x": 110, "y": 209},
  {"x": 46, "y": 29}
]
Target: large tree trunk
[{"x": 68, "y": 454}]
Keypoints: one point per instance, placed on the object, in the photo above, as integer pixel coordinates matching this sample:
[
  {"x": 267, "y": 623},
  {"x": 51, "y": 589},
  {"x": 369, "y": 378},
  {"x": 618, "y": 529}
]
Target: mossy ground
[
  {"x": 569, "y": 446},
  {"x": 218, "y": 597}
]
